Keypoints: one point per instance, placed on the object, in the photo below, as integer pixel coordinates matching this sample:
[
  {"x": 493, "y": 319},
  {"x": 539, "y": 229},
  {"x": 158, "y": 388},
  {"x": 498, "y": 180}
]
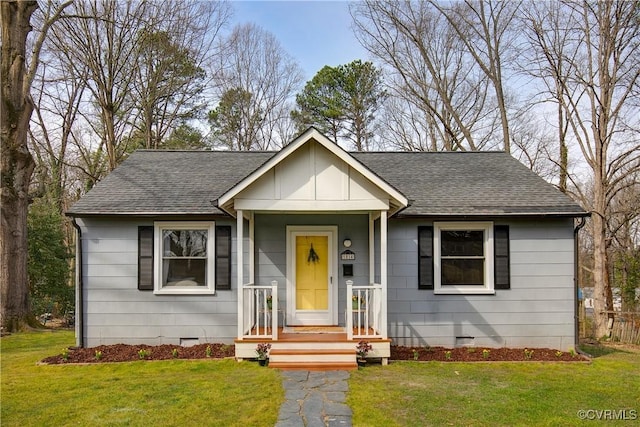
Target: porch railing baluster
[
  {"x": 260, "y": 321},
  {"x": 365, "y": 306}
]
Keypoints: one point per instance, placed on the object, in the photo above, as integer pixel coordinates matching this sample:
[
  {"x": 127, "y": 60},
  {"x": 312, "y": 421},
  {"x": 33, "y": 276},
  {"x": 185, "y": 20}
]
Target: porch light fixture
[{"x": 347, "y": 243}]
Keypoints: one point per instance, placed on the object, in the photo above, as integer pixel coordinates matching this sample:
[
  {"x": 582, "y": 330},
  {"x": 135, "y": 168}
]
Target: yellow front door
[{"x": 312, "y": 272}]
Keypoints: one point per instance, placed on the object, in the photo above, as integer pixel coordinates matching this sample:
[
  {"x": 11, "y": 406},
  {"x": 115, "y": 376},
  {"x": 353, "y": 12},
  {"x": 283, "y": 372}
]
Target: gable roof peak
[{"x": 225, "y": 201}]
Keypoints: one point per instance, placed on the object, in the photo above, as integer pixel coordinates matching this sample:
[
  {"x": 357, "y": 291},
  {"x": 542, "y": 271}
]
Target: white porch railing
[
  {"x": 364, "y": 311},
  {"x": 260, "y": 311}
]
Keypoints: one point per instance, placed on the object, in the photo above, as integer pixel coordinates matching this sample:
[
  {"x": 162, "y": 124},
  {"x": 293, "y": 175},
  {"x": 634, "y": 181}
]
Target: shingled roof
[{"x": 437, "y": 184}]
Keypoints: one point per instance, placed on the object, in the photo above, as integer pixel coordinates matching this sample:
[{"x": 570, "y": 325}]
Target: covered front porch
[
  {"x": 275, "y": 312},
  {"x": 312, "y": 251}
]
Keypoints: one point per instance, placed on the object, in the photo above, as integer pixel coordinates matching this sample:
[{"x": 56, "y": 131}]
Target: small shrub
[
  {"x": 416, "y": 354},
  {"x": 528, "y": 354},
  {"x": 65, "y": 354},
  {"x": 485, "y": 353},
  {"x": 572, "y": 352},
  {"x": 174, "y": 353},
  {"x": 208, "y": 351},
  {"x": 143, "y": 353},
  {"x": 559, "y": 354},
  {"x": 98, "y": 355},
  {"x": 447, "y": 354}
]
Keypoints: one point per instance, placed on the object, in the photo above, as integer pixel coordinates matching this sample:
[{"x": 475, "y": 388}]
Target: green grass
[
  {"x": 163, "y": 393},
  {"x": 227, "y": 393},
  {"x": 496, "y": 394}
]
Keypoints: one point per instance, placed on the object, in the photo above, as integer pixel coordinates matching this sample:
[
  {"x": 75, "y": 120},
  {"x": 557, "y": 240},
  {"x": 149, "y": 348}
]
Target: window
[
  {"x": 463, "y": 258},
  {"x": 184, "y": 262},
  {"x": 464, "y": 261}
]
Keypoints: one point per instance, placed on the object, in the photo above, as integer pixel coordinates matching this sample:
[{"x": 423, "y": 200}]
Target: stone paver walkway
[{"x": 314, "y": 399}]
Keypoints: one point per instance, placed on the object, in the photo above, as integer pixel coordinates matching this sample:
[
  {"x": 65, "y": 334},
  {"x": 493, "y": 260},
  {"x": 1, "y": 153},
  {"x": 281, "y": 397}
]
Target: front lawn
[
  {"x": 498, "y": 393},
  {"x": 224, "y": 392},
  {"x": 166, "y": 393}
]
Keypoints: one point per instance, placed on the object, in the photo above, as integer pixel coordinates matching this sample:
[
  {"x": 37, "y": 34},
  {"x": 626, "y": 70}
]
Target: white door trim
[{"x": 330, "y": 317}]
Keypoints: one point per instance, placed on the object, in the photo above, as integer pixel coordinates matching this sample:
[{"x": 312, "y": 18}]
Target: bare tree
[
  {"x": 431, "y": 71},
  {"x": 484, "y": 27},
  {"x": 254, "y": 62},
  {"x": 58, "y": 95},
  {"x": 104, "y": 38},
  {"x": 546, "y": 23},
  {"x": 623, "y": 225},
  {"x": 407, "y": 128},
  {"x": 17, "y": 163},
  {"x": 532, "y": 144},
  {"x": 598, "y": 98}
]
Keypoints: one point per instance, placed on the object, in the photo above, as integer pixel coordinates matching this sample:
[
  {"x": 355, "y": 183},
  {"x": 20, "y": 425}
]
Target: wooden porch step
[
  {"x": 313, "y": 366},
  {"x": 313, "y": 359}
]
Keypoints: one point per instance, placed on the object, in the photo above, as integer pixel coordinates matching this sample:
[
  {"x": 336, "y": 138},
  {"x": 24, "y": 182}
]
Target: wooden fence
[{"x": 624, "y": 327}]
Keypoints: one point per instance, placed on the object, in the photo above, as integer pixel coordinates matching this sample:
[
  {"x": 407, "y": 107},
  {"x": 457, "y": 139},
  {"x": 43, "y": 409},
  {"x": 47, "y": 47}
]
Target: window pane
[
  {"x": 185, "y": 272},
  {"x": 457, "y": 272},
  {"x": 462, "y": 243},
  {"x": 184, "y": 243}
]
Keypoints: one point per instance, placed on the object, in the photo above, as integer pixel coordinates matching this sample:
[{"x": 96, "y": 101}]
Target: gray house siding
[
  {"x": 115, "y": 311},
  {"x": 537, "y": 311},
  {"x": 271, "y": 257}
]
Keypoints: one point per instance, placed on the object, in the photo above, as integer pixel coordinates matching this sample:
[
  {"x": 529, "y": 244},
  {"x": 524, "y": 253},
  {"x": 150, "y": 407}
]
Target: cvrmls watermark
[{"x": 608, "y": 414}]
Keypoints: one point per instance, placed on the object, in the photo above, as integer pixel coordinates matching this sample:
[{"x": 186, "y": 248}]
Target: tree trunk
[
  {"x": 17, "y": 164},
  {"x": 601, "y": 288}
]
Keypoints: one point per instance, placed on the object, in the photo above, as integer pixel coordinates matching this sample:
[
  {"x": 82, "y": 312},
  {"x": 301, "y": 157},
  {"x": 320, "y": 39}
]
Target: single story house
[{"x": 313, "y": 247}]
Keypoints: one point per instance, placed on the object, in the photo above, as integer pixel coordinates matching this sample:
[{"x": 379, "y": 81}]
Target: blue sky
[{"x": 315, "y": 33}]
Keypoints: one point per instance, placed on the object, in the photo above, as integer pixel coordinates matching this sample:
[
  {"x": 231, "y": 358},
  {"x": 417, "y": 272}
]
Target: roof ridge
[
  {"x": 431, "y": 152},
  {"x": 151, "y": 150}
]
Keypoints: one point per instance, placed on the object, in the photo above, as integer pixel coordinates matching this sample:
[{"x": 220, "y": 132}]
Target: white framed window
[
  {"x": 184, "y": 259},
  {"x": 463, "y": 258}
]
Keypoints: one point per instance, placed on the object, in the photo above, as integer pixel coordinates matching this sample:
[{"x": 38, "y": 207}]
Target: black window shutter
[
  {"x": 425, "y": 257},
  {"x": 501, "y": 255},
  {"x": 223, "y": 257},
  {"x": 145, "y": 258}
]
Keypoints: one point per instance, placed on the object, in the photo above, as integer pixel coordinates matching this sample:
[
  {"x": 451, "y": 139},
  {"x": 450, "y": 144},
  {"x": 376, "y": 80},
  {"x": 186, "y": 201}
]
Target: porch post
[
  {"x": 372, "y": 249},
  {"x": 239, "y": 270},
  {"x": 383, "y": 272},
  {"x": 252, "y": 272}
]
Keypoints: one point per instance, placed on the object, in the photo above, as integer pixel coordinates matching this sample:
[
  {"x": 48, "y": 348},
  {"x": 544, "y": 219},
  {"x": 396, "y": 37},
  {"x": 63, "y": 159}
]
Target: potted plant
[
  {"x": 362, "y": 349},
  {"x": 269, "y": 302},
  {"x": 262, "y": 350}
]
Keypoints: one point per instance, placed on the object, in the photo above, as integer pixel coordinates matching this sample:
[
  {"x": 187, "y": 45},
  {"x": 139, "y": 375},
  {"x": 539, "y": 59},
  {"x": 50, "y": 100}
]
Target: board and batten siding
[
  {"x": 115, "y": 311},
  {"x": 537, "y": 311}
]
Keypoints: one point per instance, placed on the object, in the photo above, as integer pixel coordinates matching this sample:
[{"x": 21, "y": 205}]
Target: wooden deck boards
[{"x": 330, "y": 336}]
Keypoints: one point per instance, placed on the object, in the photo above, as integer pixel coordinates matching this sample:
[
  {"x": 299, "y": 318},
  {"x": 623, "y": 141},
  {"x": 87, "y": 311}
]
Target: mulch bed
[
  {"x": 476, "y": 354},
  {"x": 127, "y": 353}
]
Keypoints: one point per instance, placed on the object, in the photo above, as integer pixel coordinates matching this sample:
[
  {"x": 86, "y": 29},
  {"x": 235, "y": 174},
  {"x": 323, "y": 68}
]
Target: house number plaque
[{"x": 347, "y": 255}]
